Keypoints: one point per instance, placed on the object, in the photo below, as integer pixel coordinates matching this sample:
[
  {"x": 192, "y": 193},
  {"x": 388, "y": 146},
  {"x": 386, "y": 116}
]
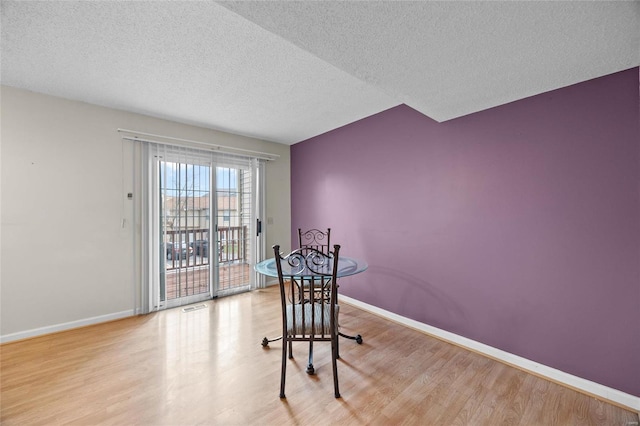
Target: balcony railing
[{"x": 186, "y": 248}]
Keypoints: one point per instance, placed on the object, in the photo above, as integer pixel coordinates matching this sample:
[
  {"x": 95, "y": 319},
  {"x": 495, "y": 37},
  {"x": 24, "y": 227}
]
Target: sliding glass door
[{"x": 204, "y": 215}]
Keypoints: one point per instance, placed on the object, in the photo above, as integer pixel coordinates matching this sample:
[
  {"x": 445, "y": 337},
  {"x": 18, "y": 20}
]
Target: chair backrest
[
  {"x": 316, "y": 239},
  {"x": 307, "y": 278}
]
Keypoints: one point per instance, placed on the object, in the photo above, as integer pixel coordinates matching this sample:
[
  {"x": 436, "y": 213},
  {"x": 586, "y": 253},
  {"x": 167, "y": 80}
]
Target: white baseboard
[
  {"x": 614, "y": 396},
  {"x": 64, "y": 326},
  {"x": 272, "y": 282}
]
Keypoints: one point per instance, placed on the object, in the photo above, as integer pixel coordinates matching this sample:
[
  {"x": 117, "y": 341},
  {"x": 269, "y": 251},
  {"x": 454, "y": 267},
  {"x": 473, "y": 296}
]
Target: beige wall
[{"x": 66, "y": 260}]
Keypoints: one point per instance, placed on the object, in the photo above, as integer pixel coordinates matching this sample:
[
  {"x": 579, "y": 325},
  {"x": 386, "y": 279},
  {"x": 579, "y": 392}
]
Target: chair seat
[{"x": 317, "y": 324}]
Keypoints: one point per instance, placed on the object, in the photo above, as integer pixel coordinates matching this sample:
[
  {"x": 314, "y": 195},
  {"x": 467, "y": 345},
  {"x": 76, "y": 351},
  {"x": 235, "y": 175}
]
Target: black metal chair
[
  {"x": 308, "y": 315},
  {"x": 321, "y": 241}
]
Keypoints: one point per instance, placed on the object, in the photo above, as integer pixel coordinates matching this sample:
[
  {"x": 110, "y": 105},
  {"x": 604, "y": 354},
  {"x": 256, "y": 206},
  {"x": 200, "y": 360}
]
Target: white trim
[
  {"x": 271, "y": 282},
  {"x": 592, "y": 388},
  {"x": 65, "y": 326}
]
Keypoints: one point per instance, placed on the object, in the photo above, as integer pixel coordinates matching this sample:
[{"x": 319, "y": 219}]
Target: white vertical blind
[{"x": 184, "y": 188}]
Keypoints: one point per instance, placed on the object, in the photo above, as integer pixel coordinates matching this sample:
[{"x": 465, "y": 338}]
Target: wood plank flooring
[{"x": 207, "y": 367}]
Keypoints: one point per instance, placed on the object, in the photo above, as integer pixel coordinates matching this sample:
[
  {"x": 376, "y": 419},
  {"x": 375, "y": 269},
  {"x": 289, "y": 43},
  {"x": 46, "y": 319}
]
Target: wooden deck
[{"x": 188, "y": 281}]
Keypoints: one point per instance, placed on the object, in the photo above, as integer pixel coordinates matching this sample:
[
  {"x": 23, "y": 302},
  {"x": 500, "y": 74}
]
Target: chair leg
[
  {"x": 283, "y": 371},
  {"x": 334, "y": 362},
  {"x": 310, "y": 369},
  {"x": 290, "y": 349}
]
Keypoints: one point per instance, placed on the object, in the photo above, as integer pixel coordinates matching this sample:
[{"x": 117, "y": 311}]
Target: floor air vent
[{"x": 194, "y": 308}]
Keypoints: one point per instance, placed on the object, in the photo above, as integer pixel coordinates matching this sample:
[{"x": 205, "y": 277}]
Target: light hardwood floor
[{"x": 207, "y": 367}]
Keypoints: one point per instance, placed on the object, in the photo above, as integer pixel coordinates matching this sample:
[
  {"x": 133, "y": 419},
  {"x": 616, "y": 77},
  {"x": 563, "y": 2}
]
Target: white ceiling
[{"x": 287, "y": 71}]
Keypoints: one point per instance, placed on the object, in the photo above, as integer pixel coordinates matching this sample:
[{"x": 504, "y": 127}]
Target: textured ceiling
[{"x": 287, "y": 71}]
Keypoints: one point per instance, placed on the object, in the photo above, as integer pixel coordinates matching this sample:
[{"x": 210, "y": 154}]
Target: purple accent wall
[{"x": 518, "y": 226}]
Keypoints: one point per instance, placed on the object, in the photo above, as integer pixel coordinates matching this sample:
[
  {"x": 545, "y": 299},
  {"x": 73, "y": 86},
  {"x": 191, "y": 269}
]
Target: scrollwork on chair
[
  {"x": 309, "y": 268},
  {"x": 315, "y": 238},
  {"x": 310, "y": 261}
]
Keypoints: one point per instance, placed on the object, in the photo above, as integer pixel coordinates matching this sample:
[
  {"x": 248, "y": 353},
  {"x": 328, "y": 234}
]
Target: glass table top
[{"x": 346, "y": 266}]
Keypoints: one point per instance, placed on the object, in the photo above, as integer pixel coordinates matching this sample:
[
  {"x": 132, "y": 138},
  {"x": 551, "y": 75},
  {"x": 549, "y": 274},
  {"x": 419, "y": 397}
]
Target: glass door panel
[
  {"x": 185, "y": 224},
  {"x": 234, "y": 220}
]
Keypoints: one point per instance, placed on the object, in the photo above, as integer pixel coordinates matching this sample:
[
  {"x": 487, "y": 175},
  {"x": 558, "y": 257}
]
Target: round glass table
[{"x": 346, "y": 266}]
